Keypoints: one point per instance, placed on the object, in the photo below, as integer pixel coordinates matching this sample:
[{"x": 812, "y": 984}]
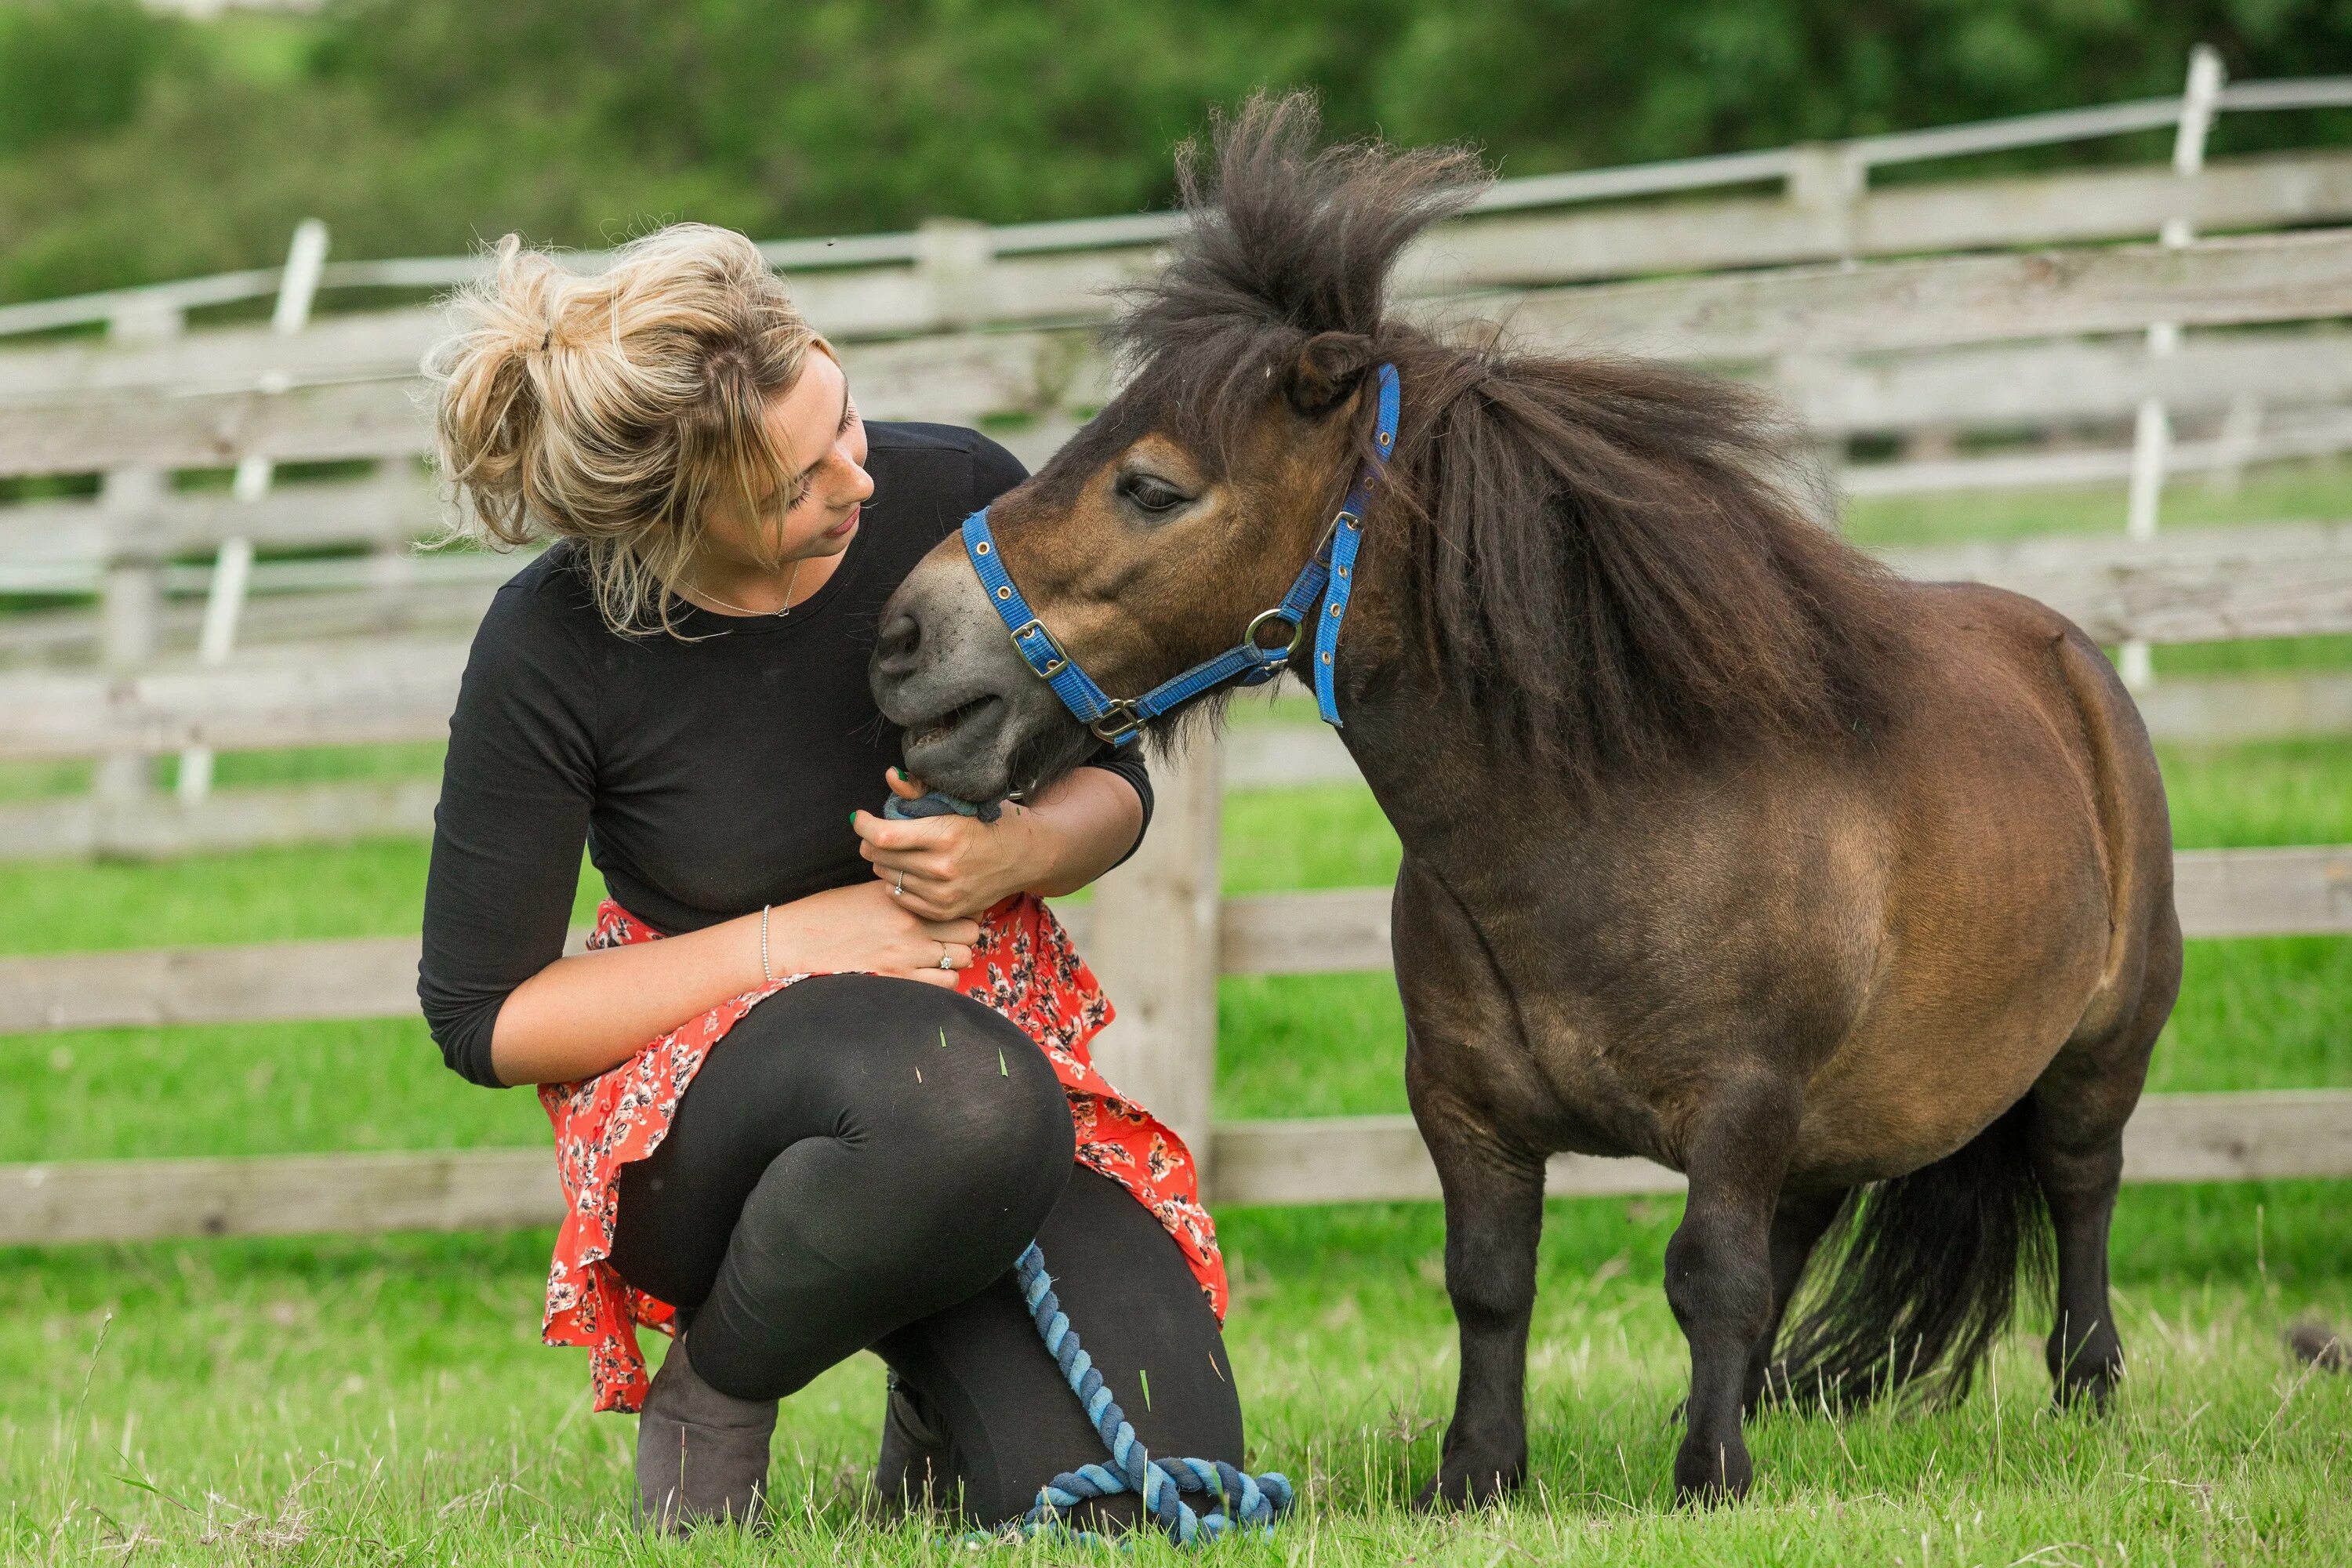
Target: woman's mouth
[{"x": 846, "y": 526}]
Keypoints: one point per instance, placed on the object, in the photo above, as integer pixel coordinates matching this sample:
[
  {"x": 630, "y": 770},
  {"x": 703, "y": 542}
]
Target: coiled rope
[{"x": 1242, "y": 1501}]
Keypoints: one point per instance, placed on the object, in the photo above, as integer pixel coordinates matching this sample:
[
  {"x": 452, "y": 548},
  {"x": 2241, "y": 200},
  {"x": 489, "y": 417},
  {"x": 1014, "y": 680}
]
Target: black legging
[{"x": 858, "y": 1165}]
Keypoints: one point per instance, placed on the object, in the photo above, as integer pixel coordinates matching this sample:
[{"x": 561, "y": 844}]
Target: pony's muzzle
[{"x": 944, "y": 672}]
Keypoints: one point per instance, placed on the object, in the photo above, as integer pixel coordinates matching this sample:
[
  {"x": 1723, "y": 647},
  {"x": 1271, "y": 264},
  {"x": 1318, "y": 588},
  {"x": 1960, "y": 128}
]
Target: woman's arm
[
  {"x": 955, "y": 866},
  {"x": 582, "y": 1015},
  {"x": 502, "y": 1001}
]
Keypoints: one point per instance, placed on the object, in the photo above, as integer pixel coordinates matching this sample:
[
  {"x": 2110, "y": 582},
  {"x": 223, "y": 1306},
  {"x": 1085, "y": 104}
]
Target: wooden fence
[
  {"x": 1159, "y": 936},
  {"x": 2206, "y": 585},
  {"x": 1848, "y": 301}
]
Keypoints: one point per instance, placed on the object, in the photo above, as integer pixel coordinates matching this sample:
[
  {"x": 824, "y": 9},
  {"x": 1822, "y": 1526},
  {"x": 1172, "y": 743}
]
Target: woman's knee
[
  {"x": 999, "y": 1099},
  {"x": 927, "y": 1077}
]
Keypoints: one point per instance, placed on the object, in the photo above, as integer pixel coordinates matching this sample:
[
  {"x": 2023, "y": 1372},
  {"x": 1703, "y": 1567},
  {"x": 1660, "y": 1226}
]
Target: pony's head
[
  {"x": 1580, "y": 549},
  {"x": 1188, "y": 503}
]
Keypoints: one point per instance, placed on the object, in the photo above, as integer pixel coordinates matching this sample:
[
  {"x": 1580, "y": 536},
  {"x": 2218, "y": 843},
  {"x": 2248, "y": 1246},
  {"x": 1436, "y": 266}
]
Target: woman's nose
[{"x": 860, "y": 487}]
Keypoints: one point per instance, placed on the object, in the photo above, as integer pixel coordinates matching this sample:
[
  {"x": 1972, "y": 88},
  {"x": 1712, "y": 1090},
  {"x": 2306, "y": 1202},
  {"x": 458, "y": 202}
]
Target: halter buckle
[
  {"x": 1054, "y": 664},
  {"x": 1118, "y": 723}
]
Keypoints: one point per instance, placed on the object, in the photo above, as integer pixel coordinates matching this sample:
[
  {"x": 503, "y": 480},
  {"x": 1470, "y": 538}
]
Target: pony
[{"x": 1849, "y": 897}]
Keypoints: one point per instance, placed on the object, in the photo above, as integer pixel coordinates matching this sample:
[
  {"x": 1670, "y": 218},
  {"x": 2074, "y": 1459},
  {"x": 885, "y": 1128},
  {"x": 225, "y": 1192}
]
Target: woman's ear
[{"x": 1328, "y": 367}]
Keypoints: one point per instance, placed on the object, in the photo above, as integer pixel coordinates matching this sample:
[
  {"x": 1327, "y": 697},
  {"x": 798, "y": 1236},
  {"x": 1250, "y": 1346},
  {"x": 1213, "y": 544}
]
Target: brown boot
[{"x": 701, "y": 1455}]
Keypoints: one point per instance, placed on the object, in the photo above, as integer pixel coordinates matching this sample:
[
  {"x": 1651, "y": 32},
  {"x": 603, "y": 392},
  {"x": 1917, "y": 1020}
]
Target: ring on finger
[
  {"x": 946, "y": 956},
  {"x": 898, "y": 887}
]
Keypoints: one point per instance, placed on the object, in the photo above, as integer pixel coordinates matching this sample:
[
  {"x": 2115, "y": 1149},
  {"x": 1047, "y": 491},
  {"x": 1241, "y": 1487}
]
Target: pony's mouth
[{"x": 946, "y": 724}]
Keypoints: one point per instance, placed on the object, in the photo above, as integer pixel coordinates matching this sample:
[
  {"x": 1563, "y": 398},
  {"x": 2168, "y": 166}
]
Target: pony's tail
[{"x": 1918, "y": 1277}]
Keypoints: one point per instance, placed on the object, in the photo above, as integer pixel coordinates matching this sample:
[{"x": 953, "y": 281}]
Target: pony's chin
[
  {"x": 987, "y": 751},
  {"x": 965, "y": 752}
]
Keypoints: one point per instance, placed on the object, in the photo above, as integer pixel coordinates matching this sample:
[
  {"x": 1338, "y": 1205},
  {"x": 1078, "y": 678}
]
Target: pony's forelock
[{"x": 1617, "y": 560}]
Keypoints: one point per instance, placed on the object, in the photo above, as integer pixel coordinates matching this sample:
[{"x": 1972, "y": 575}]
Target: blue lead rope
[{"x": 1242, "y": 1501}]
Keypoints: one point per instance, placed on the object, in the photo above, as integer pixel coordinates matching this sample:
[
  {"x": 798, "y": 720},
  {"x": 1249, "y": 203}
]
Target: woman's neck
[{"x": 742, "y": 588}]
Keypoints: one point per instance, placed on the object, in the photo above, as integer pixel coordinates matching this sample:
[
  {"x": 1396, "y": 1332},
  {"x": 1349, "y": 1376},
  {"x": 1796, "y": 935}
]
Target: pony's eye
[{"x": 1151, "y": 494}]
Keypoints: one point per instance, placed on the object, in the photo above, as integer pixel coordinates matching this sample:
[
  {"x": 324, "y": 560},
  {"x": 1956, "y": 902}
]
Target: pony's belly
[{"x": 1921, "y": 1078}]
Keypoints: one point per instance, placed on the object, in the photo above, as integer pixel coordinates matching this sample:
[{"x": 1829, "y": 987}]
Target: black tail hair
[{"x": 1918, "y": 1277}]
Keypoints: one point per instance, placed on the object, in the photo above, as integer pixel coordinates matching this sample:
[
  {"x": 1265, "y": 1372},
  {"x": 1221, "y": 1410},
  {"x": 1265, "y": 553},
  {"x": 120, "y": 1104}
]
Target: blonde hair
[{"x": 613, "y": 408}]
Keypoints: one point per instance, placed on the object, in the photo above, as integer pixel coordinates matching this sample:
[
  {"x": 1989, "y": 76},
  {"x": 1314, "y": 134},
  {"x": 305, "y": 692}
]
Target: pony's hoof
[
  {"x": 2316, "y": 1345},
  {"x": 1464, "y": 1484},
  {"x": 1708, "y": 1476}
]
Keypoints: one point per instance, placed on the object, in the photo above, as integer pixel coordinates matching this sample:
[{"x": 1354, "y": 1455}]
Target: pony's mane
[{"x": 1617, "y": 560}]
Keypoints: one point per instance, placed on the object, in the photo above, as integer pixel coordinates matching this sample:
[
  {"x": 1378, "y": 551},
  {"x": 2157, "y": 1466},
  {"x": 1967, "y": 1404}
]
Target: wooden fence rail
[
  {"x": 2294, "y": 891},
  {"x": 2256, "y": 1136},
  {"x": 951, "y": 275},
  {"x": 1748, "y": 318},
  {"x": 1258, "y": 756},
  {"x": 2192, "y": 585}
]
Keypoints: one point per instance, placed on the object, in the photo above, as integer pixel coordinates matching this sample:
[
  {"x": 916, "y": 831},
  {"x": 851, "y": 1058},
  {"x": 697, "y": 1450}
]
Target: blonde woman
[{"x": 830, "y": 1106}]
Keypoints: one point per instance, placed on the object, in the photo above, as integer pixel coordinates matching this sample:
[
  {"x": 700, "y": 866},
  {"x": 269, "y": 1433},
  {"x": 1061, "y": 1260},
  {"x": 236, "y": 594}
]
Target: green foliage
[
  {"x": 73, "y": 67},
  {"x": 417, "y": 126}
]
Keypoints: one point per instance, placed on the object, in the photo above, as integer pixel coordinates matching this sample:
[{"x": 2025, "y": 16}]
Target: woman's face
[{"x": 816, "y": 429}]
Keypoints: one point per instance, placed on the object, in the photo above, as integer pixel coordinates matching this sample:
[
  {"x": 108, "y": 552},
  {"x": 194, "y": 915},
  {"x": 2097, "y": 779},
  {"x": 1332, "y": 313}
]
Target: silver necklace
[{"x": 790, "y": 578}]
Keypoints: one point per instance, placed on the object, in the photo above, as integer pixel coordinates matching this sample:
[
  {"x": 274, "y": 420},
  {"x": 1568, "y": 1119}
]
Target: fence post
[
  {"x": 953, "y": 256},
  {"x": 131, "y": 600},
  {"x": 297, "y": 285},
  {"x": 1154, "y": 946},
  {"x": 1827, "y": 179},
  {"x": 2152, "y": 426}
]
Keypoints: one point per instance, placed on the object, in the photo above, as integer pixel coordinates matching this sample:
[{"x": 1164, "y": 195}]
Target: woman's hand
[
  {"x": 865, "y": 928},
  {"x": 952, "y": 867},
  {"x": 956, "y": 868}
]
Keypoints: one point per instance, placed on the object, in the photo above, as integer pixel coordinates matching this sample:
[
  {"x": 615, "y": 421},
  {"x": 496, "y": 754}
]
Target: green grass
[
  {"x": 392, "y": 1386},
  {"x": 384, "y": 1399}
]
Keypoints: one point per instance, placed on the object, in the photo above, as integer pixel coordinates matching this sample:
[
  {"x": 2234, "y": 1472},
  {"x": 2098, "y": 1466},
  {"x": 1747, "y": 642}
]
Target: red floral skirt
[{"x": 1023, "y": 966}]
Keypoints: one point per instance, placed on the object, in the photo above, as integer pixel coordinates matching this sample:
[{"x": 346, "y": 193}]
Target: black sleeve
[
  {"x": 508, "y": 832},
  {"x": 995, "y": 471}
]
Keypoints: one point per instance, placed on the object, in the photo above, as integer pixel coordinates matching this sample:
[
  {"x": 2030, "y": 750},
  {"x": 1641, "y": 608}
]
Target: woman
[{"x": 830, "y": 1107}]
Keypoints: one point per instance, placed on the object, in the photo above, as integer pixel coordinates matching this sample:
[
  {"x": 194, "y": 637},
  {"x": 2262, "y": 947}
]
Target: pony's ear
[{"x": 1328, "y": 366}]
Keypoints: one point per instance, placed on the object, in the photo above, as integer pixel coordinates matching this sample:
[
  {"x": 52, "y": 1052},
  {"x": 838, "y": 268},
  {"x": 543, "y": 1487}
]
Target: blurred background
[
  {"x": 143, "y": 142},
  {"x": 2060, "y": 288}
]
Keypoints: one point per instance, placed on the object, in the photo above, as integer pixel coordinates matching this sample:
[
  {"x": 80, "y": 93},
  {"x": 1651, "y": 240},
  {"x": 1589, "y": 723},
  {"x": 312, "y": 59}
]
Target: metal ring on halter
[
  {"x": 1279, "y": 613},
  {"x": 898, "y": 887}
]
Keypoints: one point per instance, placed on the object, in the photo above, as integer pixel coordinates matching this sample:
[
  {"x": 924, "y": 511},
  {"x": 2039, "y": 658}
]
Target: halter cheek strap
[{"x": 1322, "y": 589}]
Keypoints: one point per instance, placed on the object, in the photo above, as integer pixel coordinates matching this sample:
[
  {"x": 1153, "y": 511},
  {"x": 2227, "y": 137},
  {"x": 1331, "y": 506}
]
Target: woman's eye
[{"x": 1151, "y": 494}]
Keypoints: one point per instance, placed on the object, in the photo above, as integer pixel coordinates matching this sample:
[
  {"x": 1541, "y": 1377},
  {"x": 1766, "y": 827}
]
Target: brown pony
[{"x": 1849, "y": 897}]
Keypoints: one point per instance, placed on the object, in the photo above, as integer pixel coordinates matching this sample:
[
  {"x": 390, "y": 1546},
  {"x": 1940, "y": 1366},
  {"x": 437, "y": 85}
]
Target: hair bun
[{"x": 680, "y": 342}]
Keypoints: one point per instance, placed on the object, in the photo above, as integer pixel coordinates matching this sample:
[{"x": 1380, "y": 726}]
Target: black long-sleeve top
[{"x": 708, "y": 777}]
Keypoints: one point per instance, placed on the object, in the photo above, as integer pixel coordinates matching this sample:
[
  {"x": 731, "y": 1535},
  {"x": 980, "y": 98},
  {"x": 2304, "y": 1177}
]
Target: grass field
[{"x": 384, "y": 1399}]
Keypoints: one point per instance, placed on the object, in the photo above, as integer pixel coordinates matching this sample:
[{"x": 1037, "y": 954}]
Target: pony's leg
[
  {"x": 1493, "y": 1215},
  {"x": 2078, "y": 1157},
  {"x": 2076, "y": 1140},
  {"x": 1799, "y": 1223},
  {"x": 1719, "y": 1273}
]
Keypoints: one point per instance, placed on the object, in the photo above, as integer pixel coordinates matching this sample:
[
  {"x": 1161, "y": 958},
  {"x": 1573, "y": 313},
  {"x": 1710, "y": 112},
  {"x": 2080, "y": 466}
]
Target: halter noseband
[{"x": 1321, "y": 587}]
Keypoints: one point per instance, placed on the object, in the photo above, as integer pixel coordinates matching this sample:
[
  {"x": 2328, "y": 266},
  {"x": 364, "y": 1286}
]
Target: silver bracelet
[{"x": 765, "y": 974}]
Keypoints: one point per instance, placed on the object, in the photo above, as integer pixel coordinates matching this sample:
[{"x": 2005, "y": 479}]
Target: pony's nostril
[{"x": 901, "y": 640}]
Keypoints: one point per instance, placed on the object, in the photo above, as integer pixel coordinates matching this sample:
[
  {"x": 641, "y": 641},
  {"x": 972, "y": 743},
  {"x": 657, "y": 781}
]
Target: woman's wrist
[{"x": 1082, "y": 827}]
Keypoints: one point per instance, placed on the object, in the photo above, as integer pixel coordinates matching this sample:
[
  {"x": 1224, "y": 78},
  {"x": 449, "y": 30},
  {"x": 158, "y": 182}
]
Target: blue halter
[{"x": 1321, "y": 588}]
